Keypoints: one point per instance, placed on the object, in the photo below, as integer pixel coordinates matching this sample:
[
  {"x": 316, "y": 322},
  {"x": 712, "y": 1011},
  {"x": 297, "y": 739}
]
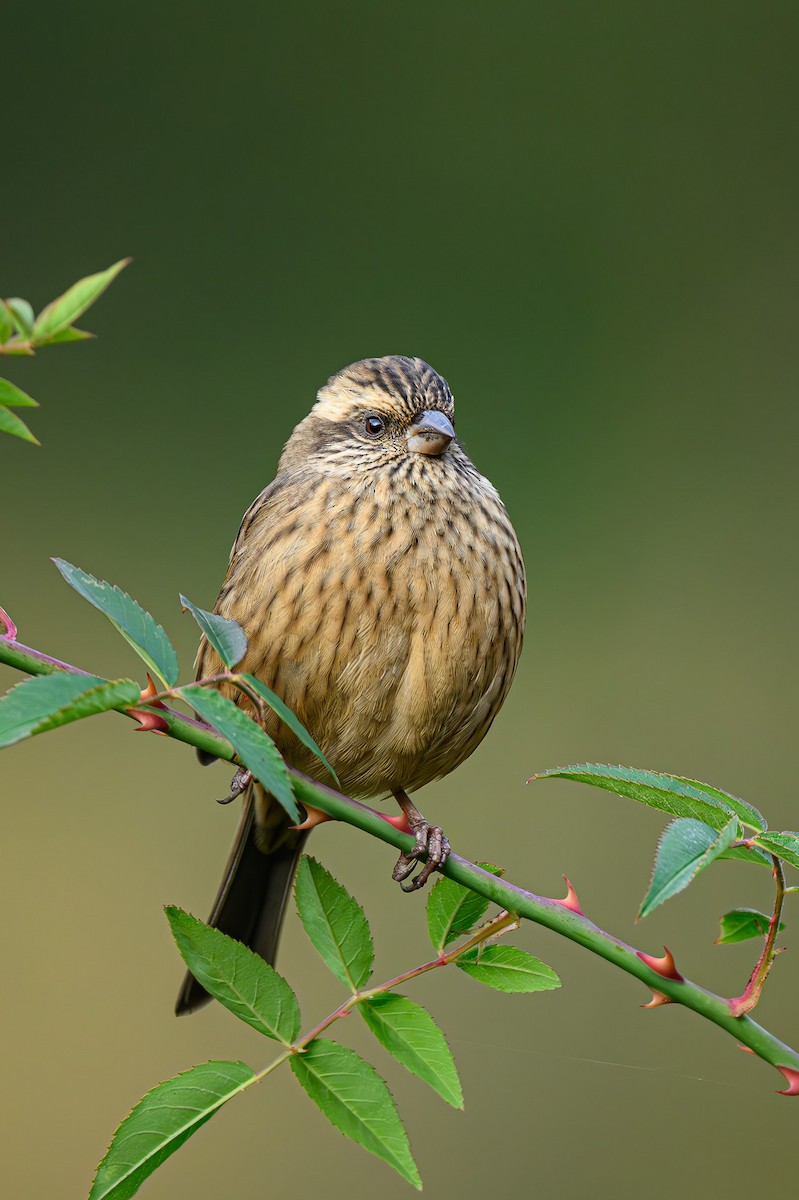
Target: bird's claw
[
  {"x": 430, "y": 841},
  {"x": 238, "y": 784}
]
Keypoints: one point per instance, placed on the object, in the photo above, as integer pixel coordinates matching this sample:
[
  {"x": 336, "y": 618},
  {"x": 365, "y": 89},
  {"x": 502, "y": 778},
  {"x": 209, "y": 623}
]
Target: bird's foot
[
  {"x": 430, "y": 841},
  {"x": 238, "y": 784}
]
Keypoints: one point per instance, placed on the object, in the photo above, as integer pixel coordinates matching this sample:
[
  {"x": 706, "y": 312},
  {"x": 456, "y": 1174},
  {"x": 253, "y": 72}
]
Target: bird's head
[{"x": 374, "y": 413}]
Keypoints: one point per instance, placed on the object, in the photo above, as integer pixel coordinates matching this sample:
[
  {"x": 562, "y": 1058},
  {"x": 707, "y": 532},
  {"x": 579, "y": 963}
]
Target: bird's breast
[{"x": 390, "y": 622}]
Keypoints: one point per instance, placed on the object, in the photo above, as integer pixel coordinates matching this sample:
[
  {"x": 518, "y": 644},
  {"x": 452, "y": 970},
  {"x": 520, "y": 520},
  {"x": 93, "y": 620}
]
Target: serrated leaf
[
  {"x": 135, "y": 624},
  {"x": 11, "y": 423},
  {"x": 668, "y": 793},
  {"x": 47, "y": 701},
  {"x": 409, "y": 1033},
  {"x": 162, "y": 1121},
  {"x": 66, "y": 309},
  {"x": 742, "y": 923},
  {"x": 453, "y": 909},
  {"x": 255, "y": 749},
  {"x": 685, "y": 849},
  {"x": 784, "y": 845},
  {"x": 227, "y": 637},
  {"x": 357, "y": 1101},
  {"x": 6, "y": 324},
  {"x": 238, "y": 978},
  {"x": 746, "y": 812},
  {"x": 335, "y": 923},
  {"x": 21, "y": 315},
  {"x": 70, "y": 334},
  {"x": 508, "y": 969},
  {"x": 14, "y": 397},
  {"x": 294, "y": 723}
]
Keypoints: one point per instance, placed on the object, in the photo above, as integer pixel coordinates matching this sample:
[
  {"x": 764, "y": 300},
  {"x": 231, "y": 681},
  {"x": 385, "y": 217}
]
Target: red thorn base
[
  {"x": 792, "y": 1076},
  {"x": 400, "y": 822},
  {"x": 657, "y": 999},
  {"x": 151, "y": 690},
  {"x": 664, "y": 966},
  {"x": 570, "y": 900},
  {"x": 149, "y": 722},
  {"x": 313, "y": 817}
]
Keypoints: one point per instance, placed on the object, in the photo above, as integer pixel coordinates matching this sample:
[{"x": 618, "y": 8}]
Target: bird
[{"x": 382, "y": 589}]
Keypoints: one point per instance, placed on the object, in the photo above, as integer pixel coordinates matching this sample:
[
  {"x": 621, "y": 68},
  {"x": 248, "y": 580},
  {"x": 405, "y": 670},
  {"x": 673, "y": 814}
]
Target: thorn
[
  {"x": 313, "y": 817},
  {"x": 150, "y": 691},
  {"x": 10, "y": 627},
  {"x": 570, "y": 900},
  {"x": 664, "y": 966},
  {"x": 746, "y": 1049},
  {"x": 149, "y": 722},
  {"x": 657, "y": 999},
  {"x": 400, "y": 822},
  {"x": 792, "y": 1076}
]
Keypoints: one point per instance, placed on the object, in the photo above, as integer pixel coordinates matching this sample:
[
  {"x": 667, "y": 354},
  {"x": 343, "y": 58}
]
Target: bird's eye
[{"x": 373, "y": 425}]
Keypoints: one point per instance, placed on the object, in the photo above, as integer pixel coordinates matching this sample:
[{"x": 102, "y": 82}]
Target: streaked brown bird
[{"x": 382, "y": 590}]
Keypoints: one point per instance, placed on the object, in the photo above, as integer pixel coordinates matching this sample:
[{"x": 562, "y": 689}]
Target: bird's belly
[{"x": 403, "y": 676}]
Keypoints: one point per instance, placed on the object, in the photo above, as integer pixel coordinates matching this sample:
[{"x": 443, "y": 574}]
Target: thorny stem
[
  {"x": 751, "y": 993},
  {"x": 540, "y": 909},
  {"x": 502, "y": 923}
]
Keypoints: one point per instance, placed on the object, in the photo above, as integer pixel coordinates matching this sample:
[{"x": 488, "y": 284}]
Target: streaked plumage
[{"x": 382, "y": 589}]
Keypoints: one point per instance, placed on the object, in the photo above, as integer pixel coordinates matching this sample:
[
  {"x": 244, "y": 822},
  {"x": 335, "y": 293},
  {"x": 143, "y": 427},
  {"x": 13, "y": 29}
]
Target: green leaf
[
  {"x": 47, "y": 701},
  {"x": 335, "y": 923},
  {"x": 784, "y": 845},
  {"x": 742, "y": 923},
  {"x": 21, "y": 315},
  {"x": 508, "y": 969},
  {"x": 162, "y": 1121},
  {"x": 255, "y": 749},
  {"x": 685, "y": 849},
  {"x": 62, "y": 311},
  {"x": 10, "y": 423},
  {"x": 236, "y": 977},
  {"x": 453, "y": 909},
  {"x": 18, "y": 345},
  {"x": 747, "y": 813},
  {"x": 357, "y": 1101},
  {"x": 227, "y": 637},
  {"x": 6, "y": 324},
  {"x": 749, "y": 854},
  {"x": 293, "y": 722},
  {"x": 409, "y": 1033},
  {"x": 135, "y": 624},
  {"x": 668, "y": 793},
  {"x": 70, "y": 334},
  {"x": 14, "y": 397}
]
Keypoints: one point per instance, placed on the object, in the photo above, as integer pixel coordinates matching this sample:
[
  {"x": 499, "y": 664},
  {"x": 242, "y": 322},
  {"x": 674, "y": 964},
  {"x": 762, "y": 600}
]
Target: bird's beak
[{"x": 430, "y": 433}]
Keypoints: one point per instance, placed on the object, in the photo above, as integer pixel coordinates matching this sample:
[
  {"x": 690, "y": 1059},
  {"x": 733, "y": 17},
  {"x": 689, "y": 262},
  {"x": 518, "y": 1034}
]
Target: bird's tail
[{"x": 255, "y": 887}]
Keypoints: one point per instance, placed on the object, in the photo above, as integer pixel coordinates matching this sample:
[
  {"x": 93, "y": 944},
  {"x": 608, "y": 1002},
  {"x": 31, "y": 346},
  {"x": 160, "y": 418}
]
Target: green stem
[{"x": 550, "y": 913}]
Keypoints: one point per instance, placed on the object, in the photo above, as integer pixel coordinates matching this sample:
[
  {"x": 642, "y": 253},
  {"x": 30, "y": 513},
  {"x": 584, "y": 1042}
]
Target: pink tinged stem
[
  {"x": 740, "y": 1005},
  {"x": 10, "y": 627}
]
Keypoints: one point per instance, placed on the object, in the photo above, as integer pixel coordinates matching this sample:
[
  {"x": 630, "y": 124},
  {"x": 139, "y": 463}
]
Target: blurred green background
[{"x": 584, "y": 216}]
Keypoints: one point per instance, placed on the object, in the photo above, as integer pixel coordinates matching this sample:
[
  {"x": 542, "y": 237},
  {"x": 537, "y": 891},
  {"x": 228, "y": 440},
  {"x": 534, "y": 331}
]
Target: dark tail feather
[{"x": 252, "y": 897}]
